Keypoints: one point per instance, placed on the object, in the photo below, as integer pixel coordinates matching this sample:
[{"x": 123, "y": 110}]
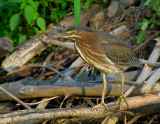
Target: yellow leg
[
  {"x": 122, "y": 85},
  {"x": 103, "y": 93},
  {"x": 104, "y": 89},
  {"x": 121, "y": 98}
]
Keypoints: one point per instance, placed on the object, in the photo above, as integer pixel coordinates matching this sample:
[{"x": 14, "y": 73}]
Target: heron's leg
[
  {"x": 122, "y": 85},
  {"x": 103, "y": 93},
  {"x": 104, "y": 88},
  {"x": 121, "y": 98}
]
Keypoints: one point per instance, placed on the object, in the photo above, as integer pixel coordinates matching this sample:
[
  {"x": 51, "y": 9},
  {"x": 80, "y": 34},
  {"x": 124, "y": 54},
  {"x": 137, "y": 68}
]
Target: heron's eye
[{"x": 72, "y": 32}]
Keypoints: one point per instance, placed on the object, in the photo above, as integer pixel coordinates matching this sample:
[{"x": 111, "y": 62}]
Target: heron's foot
[
  {"x": 121, "y": 99},
  {"x": 102, "y": 103}
]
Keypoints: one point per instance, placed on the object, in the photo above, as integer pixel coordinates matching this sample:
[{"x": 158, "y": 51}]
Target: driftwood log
[
  {"x": 5, "y": 46},
  {"x": 68, "y": 88},
  {"x": 86, "y": 113}
]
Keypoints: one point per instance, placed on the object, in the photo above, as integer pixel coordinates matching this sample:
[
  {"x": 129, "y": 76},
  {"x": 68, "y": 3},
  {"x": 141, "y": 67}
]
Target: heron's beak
[
  {"x": 59, "y": 35},
  {"x": 63, "y": 35}
]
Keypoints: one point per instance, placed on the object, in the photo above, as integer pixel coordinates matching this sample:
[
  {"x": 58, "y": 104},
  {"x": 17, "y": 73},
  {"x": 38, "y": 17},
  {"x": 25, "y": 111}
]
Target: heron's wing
[{"x": 120, "y": 54}]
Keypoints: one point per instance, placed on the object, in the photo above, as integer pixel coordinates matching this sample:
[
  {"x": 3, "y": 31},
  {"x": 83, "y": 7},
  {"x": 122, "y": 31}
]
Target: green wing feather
[{"x": 119, "y": 54}]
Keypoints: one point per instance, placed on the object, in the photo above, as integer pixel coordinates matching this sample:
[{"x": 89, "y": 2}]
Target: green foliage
[
  {"x": 14, "y": 21},
  {"x": 79, "y": 75},
  {"x": 155, "y": 5},
  {"x": 20, "y": 19},
  {"x": 150, "y": 22},
  {"x": 77, "y": 11},
  {"x": 29, "y": 17},
  {"x": 41, "y": 23},
  {"x": 96, "y": 72},
  {"x": 22, "y": 38},
  {"x": 84, "y": 4},
  {"x": 143, "y": 27},
  {"x": 57, "y": 14},
  {"x": 104, "y": 1}
]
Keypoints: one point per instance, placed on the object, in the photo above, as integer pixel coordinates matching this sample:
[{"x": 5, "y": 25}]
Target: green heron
[{"x": 103, "y": 51}]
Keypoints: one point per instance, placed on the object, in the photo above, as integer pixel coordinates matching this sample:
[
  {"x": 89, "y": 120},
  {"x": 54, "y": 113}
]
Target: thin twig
[
  {"x": 42, "y": 101},
  {"x": 45, "y": 63},
  {"x": 139, "y": 82},
  {"x": 48, "y": 67},
  {"x": 15, "y": 98},
  {"x": 60, "y": 43},
  {"x": 136, "y": 118},
  {"x": 154, "y": 64}
]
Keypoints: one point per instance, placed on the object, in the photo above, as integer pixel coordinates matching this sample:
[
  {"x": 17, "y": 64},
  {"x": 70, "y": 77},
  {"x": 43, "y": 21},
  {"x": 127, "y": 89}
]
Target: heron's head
[{"x": 74, "y": 33}]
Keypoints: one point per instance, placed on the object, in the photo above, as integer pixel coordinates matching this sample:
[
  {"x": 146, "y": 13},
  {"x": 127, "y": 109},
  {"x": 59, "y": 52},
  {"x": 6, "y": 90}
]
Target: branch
[
  {"x": 67, "y": 87},
  {"x": 60, "y": 43},
  {"x": 153, "y": 64},
  {"x": 150, "y": 82},
  {"x": 15, "y": 98},
  {"x": 81, "y": 113},
  {"x": 147, "y": 69}
]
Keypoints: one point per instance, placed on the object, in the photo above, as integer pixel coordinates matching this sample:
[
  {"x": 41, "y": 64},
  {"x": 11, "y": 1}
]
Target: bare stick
[
  {"x": 150, "y": 82},
  {"x": 147, "y": 69},
  {"x": 48, "y": 67},
  {"x": 153, "y": 64},
  {"x": 68, "y": 87},
  {"x": 15, "y": 98},
  {"x": 60, "y": 43},
  {"x": 84, "y": 113},
  {"x": 154, "y": 56}
]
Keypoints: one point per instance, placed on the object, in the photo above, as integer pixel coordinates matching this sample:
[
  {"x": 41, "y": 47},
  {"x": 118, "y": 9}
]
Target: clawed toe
[
  {"x": 102, "y": 103},
  {"x": 120, "y": 99}
]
